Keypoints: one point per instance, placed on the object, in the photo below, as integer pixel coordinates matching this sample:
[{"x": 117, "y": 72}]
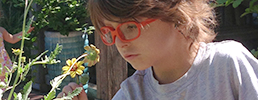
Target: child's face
[{"x": 158, "y": 43}]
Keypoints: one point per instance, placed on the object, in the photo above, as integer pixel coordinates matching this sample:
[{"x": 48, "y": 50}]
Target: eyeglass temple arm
[{"x": 147, "y": 22}]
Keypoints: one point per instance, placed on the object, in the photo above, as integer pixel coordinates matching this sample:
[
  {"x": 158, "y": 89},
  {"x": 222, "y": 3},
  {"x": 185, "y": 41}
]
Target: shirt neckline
[{"x": 181, "y": 83}]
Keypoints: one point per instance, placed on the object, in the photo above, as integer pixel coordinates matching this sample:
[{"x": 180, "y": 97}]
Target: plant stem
[
  {"x": 22, "y": 44},
  {"x": 77, "y": 79},
  {"x": 14, "y": 85},
  {"x": 38, "y": 63}
]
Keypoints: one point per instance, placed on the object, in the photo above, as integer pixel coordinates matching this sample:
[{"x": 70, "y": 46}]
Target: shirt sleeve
[
  {"x": 246, "y": 69},
  {"x": 119, "y": 95}
]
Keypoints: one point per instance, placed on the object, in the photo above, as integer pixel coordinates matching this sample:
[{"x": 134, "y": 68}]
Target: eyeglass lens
[{"x": 126, "y": 31}]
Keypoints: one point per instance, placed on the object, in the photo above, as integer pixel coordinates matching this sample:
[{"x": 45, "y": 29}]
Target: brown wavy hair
[{"x": 196, "y": 16}]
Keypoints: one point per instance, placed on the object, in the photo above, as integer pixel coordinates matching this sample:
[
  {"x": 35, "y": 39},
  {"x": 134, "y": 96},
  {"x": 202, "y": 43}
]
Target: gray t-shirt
[{"x": 221, "y": 71}]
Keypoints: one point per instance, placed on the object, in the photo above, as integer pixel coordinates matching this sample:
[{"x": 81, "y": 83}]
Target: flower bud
[
  {"x": 23, "y": 59},
  {"x": 16, "y": 51},
  {"x": 2, "y": 85}
]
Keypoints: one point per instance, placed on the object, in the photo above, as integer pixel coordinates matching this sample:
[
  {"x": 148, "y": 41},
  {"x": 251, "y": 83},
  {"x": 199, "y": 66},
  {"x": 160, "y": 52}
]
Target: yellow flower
[
  {"x": 77, "y": 68},
  {"x": 93, "y": 55},
  {"x": 16, "y": 51}
]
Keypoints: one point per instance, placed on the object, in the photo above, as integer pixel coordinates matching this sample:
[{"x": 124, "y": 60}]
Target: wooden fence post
[{"x": 110, "y": 71}]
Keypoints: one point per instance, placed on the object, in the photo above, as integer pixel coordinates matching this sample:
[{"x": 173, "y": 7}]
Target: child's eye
[{"x": 131, "y": 26}]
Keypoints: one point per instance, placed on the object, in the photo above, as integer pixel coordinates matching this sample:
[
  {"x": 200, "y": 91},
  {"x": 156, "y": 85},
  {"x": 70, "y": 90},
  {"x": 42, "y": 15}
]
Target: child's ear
[
  {"x": 182, "y": 29},
  {"x": 178, "y": 27}
]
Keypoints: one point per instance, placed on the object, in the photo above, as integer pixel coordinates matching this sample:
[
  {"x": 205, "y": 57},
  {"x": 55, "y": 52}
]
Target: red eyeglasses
[{"x": 126, "y": 32}]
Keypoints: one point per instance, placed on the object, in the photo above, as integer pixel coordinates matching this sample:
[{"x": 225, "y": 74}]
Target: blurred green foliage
[
  {"x": 61, "y": 16},
  {"x": 11, "y": 18},
  {"x": 253, "y": 5}
]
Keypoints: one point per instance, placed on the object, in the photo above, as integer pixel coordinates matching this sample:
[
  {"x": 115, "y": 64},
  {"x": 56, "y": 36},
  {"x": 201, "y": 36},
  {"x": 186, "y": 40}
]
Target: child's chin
[{"x": 140, "y": 67}]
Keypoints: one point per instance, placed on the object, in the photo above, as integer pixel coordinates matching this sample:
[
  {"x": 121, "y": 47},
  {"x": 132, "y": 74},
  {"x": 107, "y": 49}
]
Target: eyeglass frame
[{"x": 117, "y": 31}]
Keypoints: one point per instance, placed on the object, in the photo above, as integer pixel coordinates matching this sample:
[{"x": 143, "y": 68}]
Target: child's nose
[{"x": 120, "y": 44}]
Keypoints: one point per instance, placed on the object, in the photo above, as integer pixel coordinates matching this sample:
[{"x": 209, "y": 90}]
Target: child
[
  {"x": 169, "y": 43},
  {"x": 4, "y": 58}
]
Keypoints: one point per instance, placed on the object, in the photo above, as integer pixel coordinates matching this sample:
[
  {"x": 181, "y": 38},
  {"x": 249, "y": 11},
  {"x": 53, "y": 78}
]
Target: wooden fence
[{"x": 110, "y": 71}]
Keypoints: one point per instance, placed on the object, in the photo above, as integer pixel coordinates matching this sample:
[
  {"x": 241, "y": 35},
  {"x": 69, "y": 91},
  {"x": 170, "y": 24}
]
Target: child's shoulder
[
  {"x": 226, "y": 44},
  {"x": 226, "y": 48},
  {"x": 225, "y": 52}
]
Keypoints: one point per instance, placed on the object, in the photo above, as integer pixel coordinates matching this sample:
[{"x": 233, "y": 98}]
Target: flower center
[{"x": 74, "y": 67}]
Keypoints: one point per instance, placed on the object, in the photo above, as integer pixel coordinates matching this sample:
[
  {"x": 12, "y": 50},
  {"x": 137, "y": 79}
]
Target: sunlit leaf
[
  {"x": 237, "y": 3},
  {"x": 15, "y": 96},
  {"x": 69, "y": 96},
  {"x": 50, "y": 96},
  {"x": 26, "y": 90},
  {"x": 18, "y": 97},
  {"x": 228, "y": 2}
]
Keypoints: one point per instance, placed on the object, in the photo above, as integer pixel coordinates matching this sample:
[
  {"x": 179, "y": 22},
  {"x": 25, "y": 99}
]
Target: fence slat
[{"x": 110, "y": 71}]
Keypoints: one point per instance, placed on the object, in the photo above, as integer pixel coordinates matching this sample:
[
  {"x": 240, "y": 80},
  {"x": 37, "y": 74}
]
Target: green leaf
[
  {"x": 228, "y": 2},
  {"x": 58, "y": 80},
  {"x": 6, "y": 77},
  {"x": 2, "y": 85},
  {"x": 34, "y": 39},
  {"x": 51, "y": 95},
  {"x": 27, "y": 27},
  {"x": 84, "y": 78},
  {"x": 255, "y": 53},
  {"x": 237, "y": 3},
  {"x": 57, "y": 50},
  {"x": 245, "y": 13},
  {"x": 255, "y": 9},
  {"x": 221, "y": 1},
  {"x": 70, "y": 96},
  {"x": 20, "y": 70},
  {"x": 18, "y": 96},
  {"x": 252, "y": 3},
  {"x": 15, "y": 95},
  {"x": 26, "y": 90},
  {"x": 7, "y": 69}
]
